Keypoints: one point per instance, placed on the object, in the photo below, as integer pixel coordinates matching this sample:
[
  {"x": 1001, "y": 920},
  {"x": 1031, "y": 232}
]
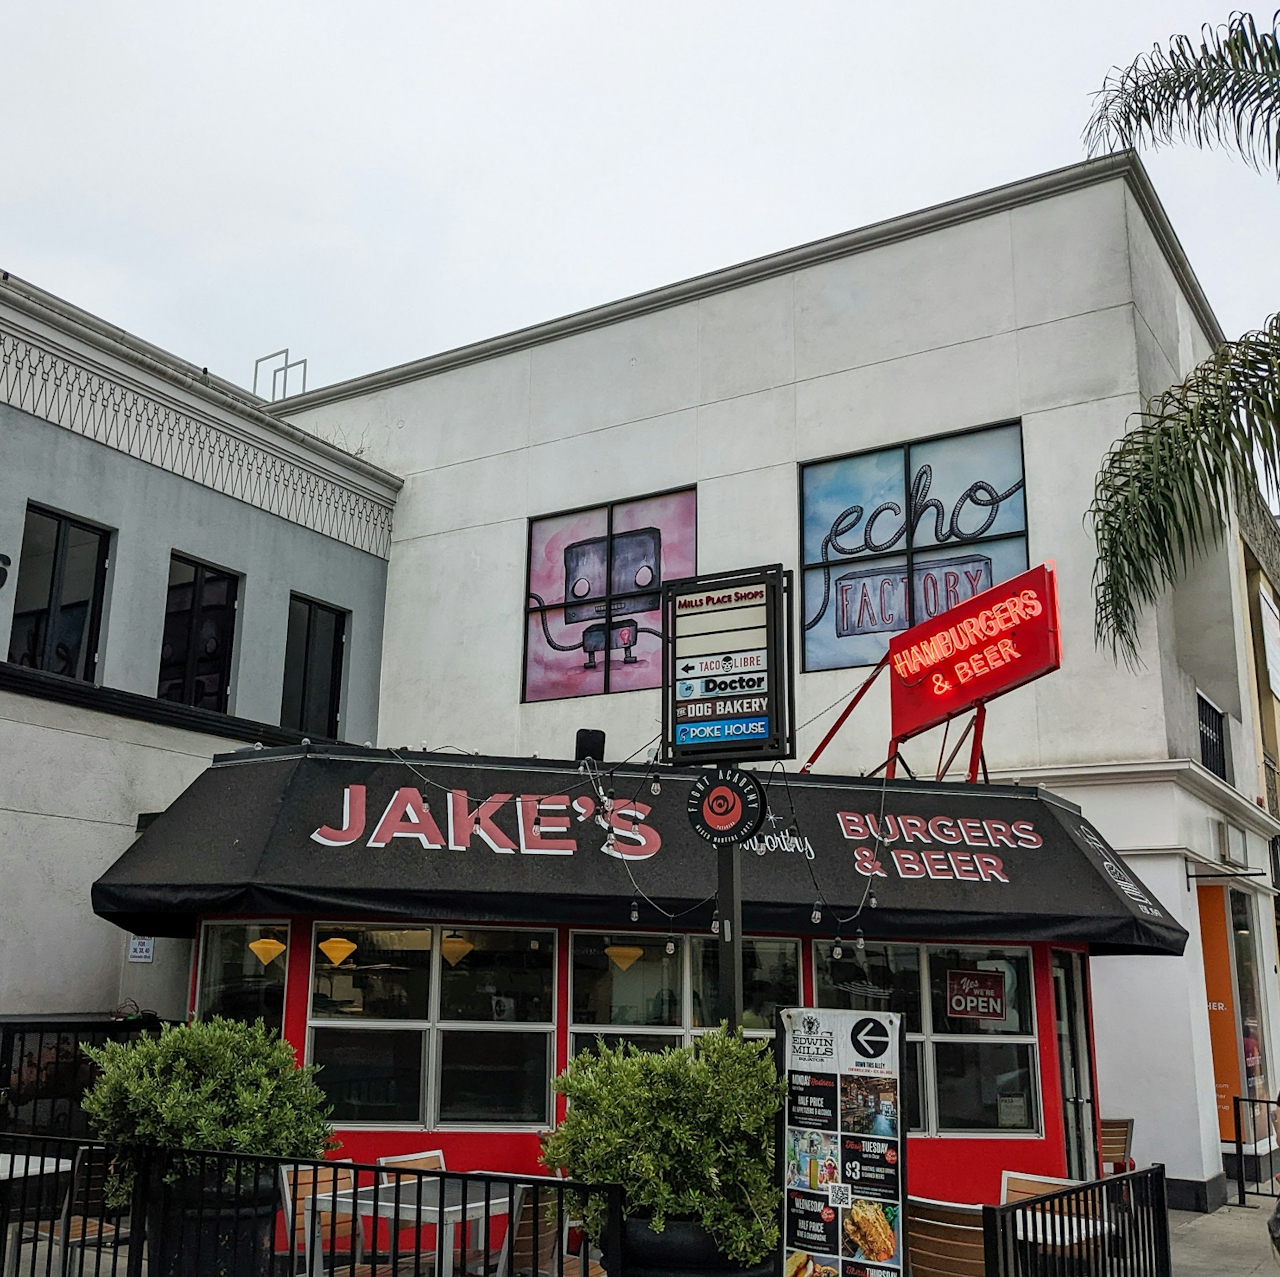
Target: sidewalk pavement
[{"x": 1232, "y": 1242}]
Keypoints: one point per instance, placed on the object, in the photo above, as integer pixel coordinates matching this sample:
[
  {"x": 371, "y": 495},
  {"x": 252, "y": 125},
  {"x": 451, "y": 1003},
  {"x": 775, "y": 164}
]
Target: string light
[
  {"x": 816, "y": 916},
  {"x": 635, "y": 912},
  {"x": 837, "y": 949},
  {"x": 656, "y": 788},
  {"x": 860, "y": 942},
  {"x": 715, "y": 923},
  {"x": 671, "y": 944},
  {"x": 872, "y": 901}
]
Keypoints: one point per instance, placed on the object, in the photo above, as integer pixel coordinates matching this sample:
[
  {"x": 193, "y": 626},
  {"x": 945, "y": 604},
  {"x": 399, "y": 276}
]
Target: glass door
[{"x": 1076, "y": 1065}]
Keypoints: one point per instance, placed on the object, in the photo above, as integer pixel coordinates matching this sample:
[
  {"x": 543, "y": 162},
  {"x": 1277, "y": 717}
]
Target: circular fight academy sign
[{"x": 726, "y": 806}]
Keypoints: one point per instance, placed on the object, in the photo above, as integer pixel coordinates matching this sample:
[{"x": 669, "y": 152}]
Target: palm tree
[{"x": 1163, "y": 492}]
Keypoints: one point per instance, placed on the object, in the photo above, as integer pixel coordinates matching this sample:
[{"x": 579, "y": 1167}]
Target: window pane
[
  {"x": 912, "y": 1094},
  {"x": 177, "y": 631},
  {"x": 318, "y": 708},
  {"x": 563, "y": 659},
  {"x": 770, "y": 979},
  {"x": 985, "y": 1086},
  {"x": 494, "y": 1077},
  {"x": 31, "y": 598},
  {"x": 370, "y": 1075},
  {"x": 968, "y": 486},
  {"x": 1247, "y": 990},
  {"x": 568, "y": 562},
  {"x": 372, "y": 973},
  {"x": 242, "y": 971},
  {"x": 85, "y": 549},
  {"x": 881, "y": 977},
  {"x": 849, "y": 506},
  {"x": 624, "y": 979},
  {"x": 497, "y": 976},
  {"x": 1000, "y": 982},
  {"x": 653, "y": 1042},
  {"x": 946, "y": 578},
  {"x": 213, "y": 640},
  {"x": 851, "y": 610},
  {"x": 295, "y": 664}
]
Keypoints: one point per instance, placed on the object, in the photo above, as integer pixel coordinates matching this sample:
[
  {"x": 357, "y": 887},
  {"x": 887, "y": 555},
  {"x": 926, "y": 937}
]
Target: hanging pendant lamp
[
  {"x": 337, "y": 949},
  {"x": 453, "y": 948},
  {"x": 266, "y": 950},
  {"x": 623, "y": 955}
]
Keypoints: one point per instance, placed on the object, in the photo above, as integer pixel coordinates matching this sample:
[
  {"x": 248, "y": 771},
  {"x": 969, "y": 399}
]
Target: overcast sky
[{"x": 370, "y": 183}]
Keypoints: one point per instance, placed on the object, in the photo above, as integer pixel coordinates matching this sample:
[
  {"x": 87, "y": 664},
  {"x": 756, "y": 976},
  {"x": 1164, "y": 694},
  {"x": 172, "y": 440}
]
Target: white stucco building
[{"x": 1045, "y": 312}]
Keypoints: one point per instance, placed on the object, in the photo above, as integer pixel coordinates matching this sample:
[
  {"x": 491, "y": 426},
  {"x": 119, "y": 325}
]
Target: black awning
[{"x": 342, "y": 832}]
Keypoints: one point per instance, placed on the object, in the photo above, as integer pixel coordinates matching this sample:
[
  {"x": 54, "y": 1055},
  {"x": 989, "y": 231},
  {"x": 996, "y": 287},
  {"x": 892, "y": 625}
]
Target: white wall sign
[
  {"x": 142, "y": 948},
  {"x": 845, "y": 1145}
]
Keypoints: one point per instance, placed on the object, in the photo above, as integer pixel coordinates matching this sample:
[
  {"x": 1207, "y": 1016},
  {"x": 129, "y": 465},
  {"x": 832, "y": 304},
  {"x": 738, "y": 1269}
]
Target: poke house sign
[{"x": 726, "y": 691}]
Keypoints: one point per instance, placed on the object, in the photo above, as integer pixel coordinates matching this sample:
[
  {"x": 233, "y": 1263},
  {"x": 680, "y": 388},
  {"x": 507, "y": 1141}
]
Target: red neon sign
[{"x": 988, "y": 645}]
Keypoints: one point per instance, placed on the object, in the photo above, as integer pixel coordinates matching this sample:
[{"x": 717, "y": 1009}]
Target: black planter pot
[
  {"x": 202, "y": 1226},
  {"x": 682, "y": 1249}
]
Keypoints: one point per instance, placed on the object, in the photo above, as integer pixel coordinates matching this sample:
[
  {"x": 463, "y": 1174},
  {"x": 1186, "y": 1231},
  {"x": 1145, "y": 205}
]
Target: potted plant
[
  {"x": 689, "y": 1133},
  {"x": 216, "y": 1086}
]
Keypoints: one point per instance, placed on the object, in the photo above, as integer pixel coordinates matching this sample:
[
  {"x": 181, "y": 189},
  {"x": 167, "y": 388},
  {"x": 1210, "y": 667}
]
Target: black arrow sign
[
  {"x": 686, "y": 669},
  {"x": 870, "y": 1039}
]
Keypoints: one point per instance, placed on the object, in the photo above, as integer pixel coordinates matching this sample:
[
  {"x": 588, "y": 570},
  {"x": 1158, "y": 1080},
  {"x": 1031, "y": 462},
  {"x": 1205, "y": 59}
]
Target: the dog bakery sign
[{"x": 844, "y": 1145}]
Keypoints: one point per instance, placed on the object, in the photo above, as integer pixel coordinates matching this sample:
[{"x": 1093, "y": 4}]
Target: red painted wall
[{"x": 959, "y": 1168}]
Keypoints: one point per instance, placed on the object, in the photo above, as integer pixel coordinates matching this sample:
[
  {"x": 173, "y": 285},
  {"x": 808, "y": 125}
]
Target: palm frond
[
  {"x": 1223, "y": 92},
  {"x": 1163, "y": 491}
]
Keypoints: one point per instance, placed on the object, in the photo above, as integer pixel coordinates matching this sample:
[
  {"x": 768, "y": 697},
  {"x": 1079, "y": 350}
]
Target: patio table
[{"x": 418, "y": 1205}]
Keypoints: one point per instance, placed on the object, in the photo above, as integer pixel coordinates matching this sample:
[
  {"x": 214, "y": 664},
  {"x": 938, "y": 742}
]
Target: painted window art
[
  {"x": 946, "y": 514},
  {"x": 593, "y": 620}
]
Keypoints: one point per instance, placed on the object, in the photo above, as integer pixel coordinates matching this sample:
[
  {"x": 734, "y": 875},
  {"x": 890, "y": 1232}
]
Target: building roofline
[
  {"x": 1124, "y": 165},
  {"x": 71, "y": 321}
]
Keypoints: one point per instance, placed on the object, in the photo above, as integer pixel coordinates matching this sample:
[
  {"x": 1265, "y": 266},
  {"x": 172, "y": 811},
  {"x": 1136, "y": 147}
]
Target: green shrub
[
  {"x": 218, "y": 1086},
  {"x": 689, "y": 1133}
]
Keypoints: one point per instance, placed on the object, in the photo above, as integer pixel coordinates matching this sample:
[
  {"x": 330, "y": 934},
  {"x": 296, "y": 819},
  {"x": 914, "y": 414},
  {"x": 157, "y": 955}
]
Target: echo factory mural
[{"x": 947, "y": 515}]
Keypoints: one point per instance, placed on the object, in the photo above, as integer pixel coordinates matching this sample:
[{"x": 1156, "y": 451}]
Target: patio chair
[
  {"x": 944, "y": 1239},
  {"x": 1017, "y": 1186},
  {"x": 1117, "y": 1145},
  {"x": 85, "y": 1221},
  {"x": 430, "y": 1161},
  {"x": 297, "y": 1185}
]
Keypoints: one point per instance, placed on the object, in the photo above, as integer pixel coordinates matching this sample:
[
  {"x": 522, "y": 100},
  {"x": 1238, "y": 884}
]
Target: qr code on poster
[{"x": 840, "y": 1194}]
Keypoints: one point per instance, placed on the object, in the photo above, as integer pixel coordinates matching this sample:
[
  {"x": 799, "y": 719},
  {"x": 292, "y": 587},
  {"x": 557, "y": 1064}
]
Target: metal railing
[
  {"x": 79, "y": 1208},
  {"x": 1113, "y": 1227},
  {"x": 1257, "y": 1159},
  {"x": 43, "y": 1072}
]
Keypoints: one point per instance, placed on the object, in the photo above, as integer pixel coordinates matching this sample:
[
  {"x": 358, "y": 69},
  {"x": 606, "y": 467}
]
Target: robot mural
[{"x": 594, "y": 594}]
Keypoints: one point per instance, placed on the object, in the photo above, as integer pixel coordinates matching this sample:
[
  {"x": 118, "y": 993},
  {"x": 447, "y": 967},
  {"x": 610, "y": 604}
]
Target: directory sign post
[
  {"x": 844, "y": 1144},
  {"x": 727, "y": 687}
]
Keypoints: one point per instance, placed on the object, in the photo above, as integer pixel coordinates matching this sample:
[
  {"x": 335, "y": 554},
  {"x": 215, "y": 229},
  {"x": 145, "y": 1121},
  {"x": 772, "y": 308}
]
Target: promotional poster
[{"x": 845, "y": 1149}]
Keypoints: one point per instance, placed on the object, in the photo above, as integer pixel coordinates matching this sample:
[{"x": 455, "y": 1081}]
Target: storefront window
[
  {"x": 497, "y": 976},
  {"x": 627, "y": 979},
  {"x": 488, "y": 1077},
  {"x": 946, "y": 515},
  {"x": 242, "y": 972},
  {"x": 370, "y": 1075},
  {"x": 591, "y": 1042},
  {"x": 373, "y": 973},
  {"x": 953, "y": 1080},
  {"x": 430, "y": 1069},
  {"x": 1252, "y": 1038},
  {"x": 770, "y": 979}
]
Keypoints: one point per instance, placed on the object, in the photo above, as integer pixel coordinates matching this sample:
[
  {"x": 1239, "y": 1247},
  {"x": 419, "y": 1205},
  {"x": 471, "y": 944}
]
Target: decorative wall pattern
[{"x": 49, "y": 385}]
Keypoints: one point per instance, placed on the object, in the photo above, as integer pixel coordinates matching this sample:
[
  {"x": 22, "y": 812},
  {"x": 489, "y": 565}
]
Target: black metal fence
[
  {"x": 1256, "y": 1163},
  {"x": 1114, "y": 1227},
  {"x": 77, "y": 1208},
  {"x": 44, "y": 1073}
]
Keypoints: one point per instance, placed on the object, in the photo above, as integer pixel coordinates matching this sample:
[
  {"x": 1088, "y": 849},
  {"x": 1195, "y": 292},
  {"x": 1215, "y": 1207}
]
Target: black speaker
[{"x": 590, "y": 744}]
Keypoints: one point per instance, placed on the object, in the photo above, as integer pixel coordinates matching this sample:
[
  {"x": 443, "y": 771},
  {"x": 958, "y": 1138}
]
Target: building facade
[
  {"x": 180, "y": 575},
  {"x": 970, "y": 364}
]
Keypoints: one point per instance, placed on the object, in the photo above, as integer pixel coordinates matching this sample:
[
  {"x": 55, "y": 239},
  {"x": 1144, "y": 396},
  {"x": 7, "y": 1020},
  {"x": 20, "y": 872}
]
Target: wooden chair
[
  {"x": 431, "y": 1161},
  {"x": 944, "y": 1239},
  {"x": 1017, "y": 1186},
  {"x": 532, "y": 1244},
  {"x": 1117, "y": 1145},
  {"x": 85, "y": 1218},
  {"x": 311, "y": 1232}
]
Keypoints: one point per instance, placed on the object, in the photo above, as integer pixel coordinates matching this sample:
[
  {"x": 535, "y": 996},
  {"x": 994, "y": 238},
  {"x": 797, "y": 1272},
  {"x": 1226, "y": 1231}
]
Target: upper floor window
[
  {"x": 1213, "y": 736},
  {"x": 593, "y": 604},
  {"x": 199, "y": 621},
  {"x": 946, "y": 514},
  {"x": 313, "y": 668},
  {"x": 58, "y": 600}
]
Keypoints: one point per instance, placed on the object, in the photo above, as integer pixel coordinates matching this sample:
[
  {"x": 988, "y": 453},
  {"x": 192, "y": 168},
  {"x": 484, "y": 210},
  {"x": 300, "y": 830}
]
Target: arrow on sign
[
  {"x": 687, "y": 669},
  {"x": 870, "y": 1039}
]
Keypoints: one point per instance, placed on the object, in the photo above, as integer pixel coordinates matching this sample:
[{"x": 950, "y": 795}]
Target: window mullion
[
  {"x": 55, "y": 594},
  {"x": 193, "y": 634}
]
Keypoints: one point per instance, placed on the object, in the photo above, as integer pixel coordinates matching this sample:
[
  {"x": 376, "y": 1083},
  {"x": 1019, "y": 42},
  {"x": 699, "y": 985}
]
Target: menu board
[{"x": 844, "y": 1146}]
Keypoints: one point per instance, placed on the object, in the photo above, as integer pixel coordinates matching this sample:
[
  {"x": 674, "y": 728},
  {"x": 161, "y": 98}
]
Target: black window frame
[
  {"x": 338, "y": 665},
  {"x": 189, "y": 666},
  {"x": 909, "y": 550},
  {"x": 607, "y": 599},
  {"x": 1211, "y": 725},
  {"x": 97, "y": 605}
]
